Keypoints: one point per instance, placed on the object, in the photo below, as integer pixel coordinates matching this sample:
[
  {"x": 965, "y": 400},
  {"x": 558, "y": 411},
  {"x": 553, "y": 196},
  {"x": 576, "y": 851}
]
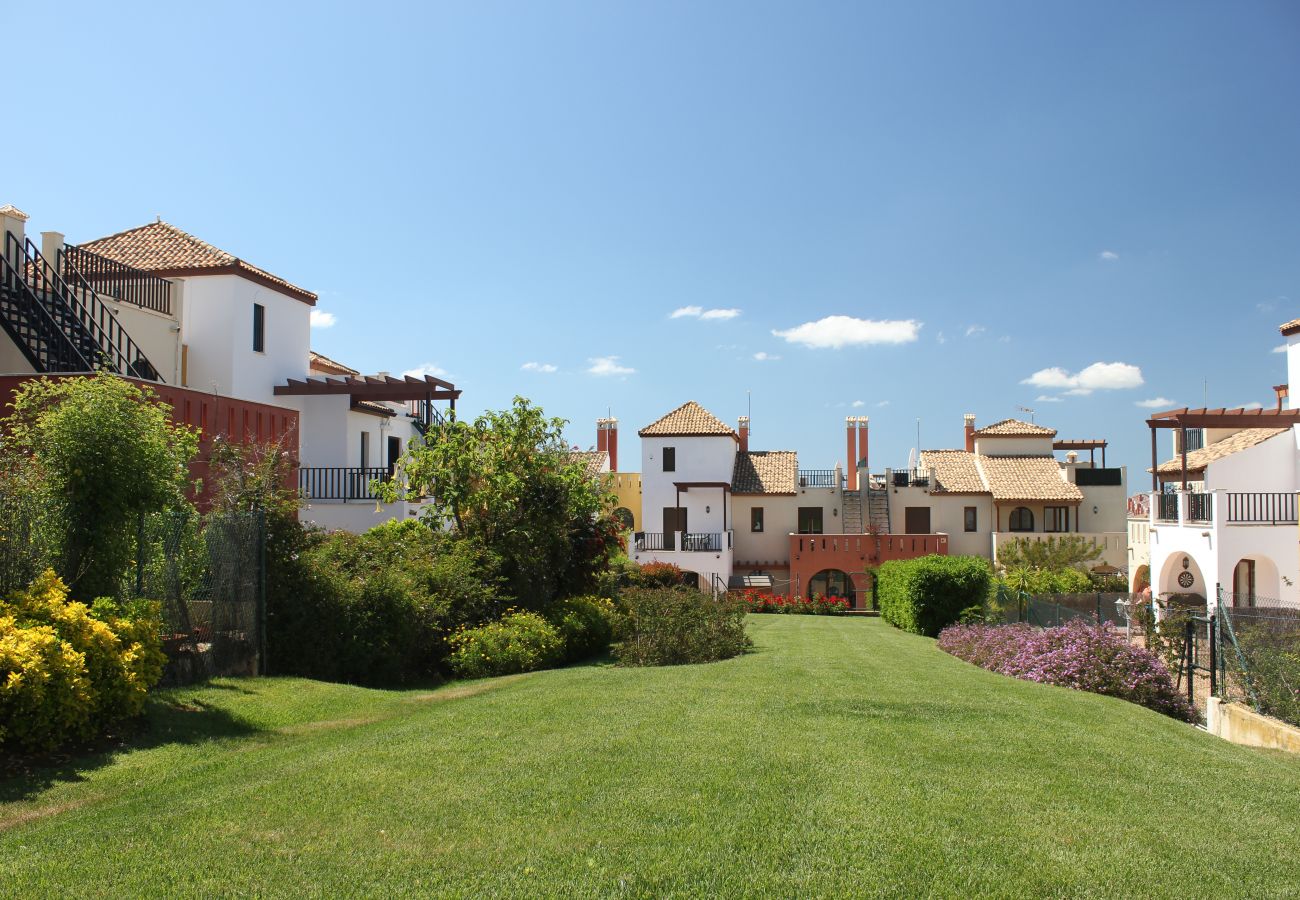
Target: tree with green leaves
[
  {"x": 1070, "y": 551},
  {"x": 100, "y": 452},
  {"x": 508, "y": 482}
]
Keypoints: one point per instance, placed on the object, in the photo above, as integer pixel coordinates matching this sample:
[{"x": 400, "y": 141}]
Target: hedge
[{"x": 928, "y": 594}]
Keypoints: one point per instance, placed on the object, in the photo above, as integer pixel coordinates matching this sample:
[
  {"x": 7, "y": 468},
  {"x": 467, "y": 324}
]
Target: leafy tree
[
  {"x": 1069, "y": 551},
  {"x": 508, "y": 482},
  {"x": 101, "y": 452}
]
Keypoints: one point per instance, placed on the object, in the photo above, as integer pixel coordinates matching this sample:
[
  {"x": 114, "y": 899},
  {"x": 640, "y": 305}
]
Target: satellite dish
[{"x": 911, "y": 459}]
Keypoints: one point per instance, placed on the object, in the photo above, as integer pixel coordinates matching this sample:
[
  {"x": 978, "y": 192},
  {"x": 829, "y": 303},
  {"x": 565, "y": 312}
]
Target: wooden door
[{"x": 674, "y": 520}]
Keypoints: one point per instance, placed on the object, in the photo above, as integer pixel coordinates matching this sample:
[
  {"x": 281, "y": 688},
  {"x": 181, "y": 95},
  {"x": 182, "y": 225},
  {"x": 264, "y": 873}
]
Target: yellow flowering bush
[
  {"x": 66, "y": 670},
  {"x": 517, "y": 642}
]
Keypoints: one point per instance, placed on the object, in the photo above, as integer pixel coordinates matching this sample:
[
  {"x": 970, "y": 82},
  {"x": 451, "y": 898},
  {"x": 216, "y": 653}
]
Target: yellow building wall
[{"x": 627, "y": 485}]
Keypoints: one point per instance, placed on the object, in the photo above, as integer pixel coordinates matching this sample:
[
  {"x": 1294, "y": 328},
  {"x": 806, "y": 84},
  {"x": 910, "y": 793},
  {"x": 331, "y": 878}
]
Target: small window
[
  {"x": 365, "y": 449},
  {"x": 970, "y": 519},
  {"x": 259, "y": 328},
  {"x": 670, "y": 459},
  {"x": 810, "y": 520},
  {"x": 1056, "y": 518},
  {"x": 1022, "y": 519},
  {"x": 756, "y": 519}
]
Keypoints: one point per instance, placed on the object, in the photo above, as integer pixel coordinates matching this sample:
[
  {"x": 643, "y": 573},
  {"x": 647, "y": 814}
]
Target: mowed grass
[{"x": 840, "y": 758}]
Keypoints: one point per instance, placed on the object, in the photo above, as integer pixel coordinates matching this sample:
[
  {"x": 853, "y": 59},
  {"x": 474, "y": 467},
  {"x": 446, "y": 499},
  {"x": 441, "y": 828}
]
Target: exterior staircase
[
  {"x": 852, "y": 512},
  {"x": 878, "y": 509},
  {"x": 61, "y": 327}
]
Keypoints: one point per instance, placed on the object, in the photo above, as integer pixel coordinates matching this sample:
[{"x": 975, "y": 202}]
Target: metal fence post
[
  {"x": 1189, "y": 645},
  {"x": 261, "y": 592},
  {"x": 1214, "y": 656}
]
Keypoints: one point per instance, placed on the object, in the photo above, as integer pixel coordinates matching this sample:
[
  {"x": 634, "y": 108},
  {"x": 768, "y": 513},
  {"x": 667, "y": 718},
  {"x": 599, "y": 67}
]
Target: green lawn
[{"x": 841, "y": 757}]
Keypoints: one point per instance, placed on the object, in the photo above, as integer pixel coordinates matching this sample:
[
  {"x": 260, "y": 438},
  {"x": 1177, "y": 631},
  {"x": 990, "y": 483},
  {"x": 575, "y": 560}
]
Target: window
[
  {"x": 1056, "y": 518},
  {"x": 810, "y": 520},
  {"x": 670, "y": 459},
  {"x": 916, "y": 520},
  {"x": 365, "y": 449},
  {"x": 259, "y": 328},
  {"x": 1021, "y": 519},
  {"x": 756, "y": 519},
  {"x": 970, "y": 521}
]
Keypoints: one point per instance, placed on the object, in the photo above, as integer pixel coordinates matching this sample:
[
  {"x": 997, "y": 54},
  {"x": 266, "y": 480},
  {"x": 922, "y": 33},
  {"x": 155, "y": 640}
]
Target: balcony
[
  {"x": 826, "y": 478},
  {"x": 1225, "y": 508},
  {"x": 681, "y": 541},
  {"x": 339, "y": 482},
  {"x": 900, "y": 478}
]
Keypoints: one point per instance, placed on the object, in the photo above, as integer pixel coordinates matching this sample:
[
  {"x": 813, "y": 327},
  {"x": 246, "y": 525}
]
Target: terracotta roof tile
[
  {"x": 954, "y": 472},
  {"x": 1015, "y": 428},
  {"x": 688, "y": 420},
  {"x": 1197, "y": 460},
  {"x": 162, "y": 247},
  {"x": 1290, "y": 328},
  {"x": 1026, "y": 478},
  {"x": 321, "y": 362},
  {"x": 596, "y": 461},
  {"x": 765, "y": 472}
]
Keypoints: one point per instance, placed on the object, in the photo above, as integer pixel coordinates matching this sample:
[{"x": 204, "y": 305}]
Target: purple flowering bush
[{"x": 1076, "y": 655}]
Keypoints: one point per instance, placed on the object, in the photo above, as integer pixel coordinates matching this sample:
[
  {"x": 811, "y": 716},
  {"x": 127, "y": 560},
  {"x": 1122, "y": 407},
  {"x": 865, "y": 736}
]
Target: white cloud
[
  {"x": 1280, "y": 348},
  {"x": 546, "y": 368},
  {"x": 426, "y": 369},
  {"x": 1097, "y": 377},
  {"x": 605, "y": 366},
  {"x": 322, "y": 319},
  {"x": 883, "y": 403},
  {"x": 846, "y": 331},
  {"x": 858, "y": 404},
  {"x": 1156, "y": 403},
  {"x": 941, "y": 338},
  {"x": 1252, "y": 406},
  {"x": 1005, "y": 339},
  {"x": 764, "y": 356},
  {"x": 699, "y": 312},
  {"x": 1043, "y": 398},
  {"x": 975, "y": 330},
  {"x": 1108, "y": 256}
]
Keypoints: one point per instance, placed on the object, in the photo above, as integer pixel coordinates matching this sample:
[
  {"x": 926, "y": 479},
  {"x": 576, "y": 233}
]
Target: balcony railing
[
  {"x": 339, "y": 482},
  {"x": 1200, "y": 508},
  {"x": 819, "y": 478},
  {"x": 1166, "y": 507},
  {"x": 907, "y": 477},
  {"x": 1261, "y": 509},
  {"x": 686, "y": 542},
  {"x": 110, "y": 278}
]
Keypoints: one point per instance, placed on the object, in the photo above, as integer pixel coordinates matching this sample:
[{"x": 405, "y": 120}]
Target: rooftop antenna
[
  {"x": 1028, "y": 410},
  {"x": 1205, "y": 393},
  {"x": 918, "y": 435}
]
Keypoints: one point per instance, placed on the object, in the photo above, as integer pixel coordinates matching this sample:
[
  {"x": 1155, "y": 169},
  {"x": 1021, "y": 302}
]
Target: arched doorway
[
  {"x": 1255, "y": 582},
  {"x": 1181, "y": 581},
  {"x": 832, "y": 583},
  {"x": 1141, "y": 580}
]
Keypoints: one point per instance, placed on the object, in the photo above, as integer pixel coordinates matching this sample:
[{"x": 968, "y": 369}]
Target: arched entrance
[
  {"x": 1255, "y": 582},
  {"x": 832, "y": 583},
  {"x": 1181, "y": 579},
  {"x": 1141, "y": 580}
]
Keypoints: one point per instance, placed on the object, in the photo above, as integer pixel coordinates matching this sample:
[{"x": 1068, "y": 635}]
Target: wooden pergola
[
  {"x": 1091, "y": 446},
  {"x": 1186, "y": 418},
  {"x": 373, "y": 388}
]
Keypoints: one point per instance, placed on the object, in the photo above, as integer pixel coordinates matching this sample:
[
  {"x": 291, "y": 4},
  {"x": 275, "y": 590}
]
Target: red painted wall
[
  {"x": 853, "y": 553},
  {"x": 238, "y": 421}
]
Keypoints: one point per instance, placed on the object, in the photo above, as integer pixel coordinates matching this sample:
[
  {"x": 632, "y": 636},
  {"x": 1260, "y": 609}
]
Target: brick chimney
[
  {"x": 851, "y": 457},
  {"x": 743, "y": 428},
  {"x": 1283, "y": 391},
  {"x": 970, "y": 432},
  {"x": 862, "y": 444},
  {"x": 607, "y": 440}
]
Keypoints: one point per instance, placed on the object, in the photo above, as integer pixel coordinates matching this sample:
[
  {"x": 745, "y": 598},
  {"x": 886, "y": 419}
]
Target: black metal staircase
[{"x": 58, "y": 327}]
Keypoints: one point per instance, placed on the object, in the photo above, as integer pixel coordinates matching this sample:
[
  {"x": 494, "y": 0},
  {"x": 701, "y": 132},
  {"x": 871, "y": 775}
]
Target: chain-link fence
[
  {"x": 1049, "y": 610},
  {"x": 1260, "y": 654},
  {"x": 209, "y": 574}
]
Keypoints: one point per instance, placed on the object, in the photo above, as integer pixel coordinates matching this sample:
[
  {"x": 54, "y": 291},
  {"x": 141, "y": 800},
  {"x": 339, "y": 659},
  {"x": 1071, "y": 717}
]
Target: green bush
[
  {"x": 667, "y": 626},
  {"x": 518, "y": 642},
  {"x": 586, "y": 626},
  {"x": 926, "y": 595},
  {"x": 67, "y": 671}
]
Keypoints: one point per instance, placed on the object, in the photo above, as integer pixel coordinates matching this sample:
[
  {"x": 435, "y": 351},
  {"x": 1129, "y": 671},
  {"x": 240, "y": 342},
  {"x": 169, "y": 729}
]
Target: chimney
[
  {"x": 607, "y": 440},
  {"x": 970, "y": 432},
  {"x": 862, "y": 444},
  {"x": 1283, "y": 391},
  {"x": 852, "y": 454},
  {"x": 743, "y": 428}
]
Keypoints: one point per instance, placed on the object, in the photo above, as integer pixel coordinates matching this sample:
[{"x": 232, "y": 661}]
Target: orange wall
[{"x": 854, "y": 553}]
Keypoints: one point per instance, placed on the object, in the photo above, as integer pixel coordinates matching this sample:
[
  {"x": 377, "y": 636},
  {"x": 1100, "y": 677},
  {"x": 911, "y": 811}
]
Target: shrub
[
  {"x": 518, "y": 642},
  {"x": 586, "y": 626},
  {"x": 673, "y": 626},
  {"x": 816, "y": 605},
  {"x": 1272, "y": 653},
  {"x": 1076, "y": 655},
  {"x": 926, "y": 595},
  {"x": 67, "y": 671},
  {"x": 656, "y": 575}
]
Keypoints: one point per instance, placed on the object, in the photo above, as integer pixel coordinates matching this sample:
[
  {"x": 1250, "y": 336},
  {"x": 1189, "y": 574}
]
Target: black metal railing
[
  {"x": 1200, "y": 507},
  {"x": 33, "y": 327},
  {"x": 909, "y": 477},
  {"x": 655, "y": 540},
  {"x": 1261, "y": 509},
  {"x": 701, "y": 542},
  {"x": 818, "y": 478},
  {"x": 339, "y": 482},
  {"x": 85, "y": 320},
  {"x": 108, "y": 277},
  {"x": 1166, "y": 507}
]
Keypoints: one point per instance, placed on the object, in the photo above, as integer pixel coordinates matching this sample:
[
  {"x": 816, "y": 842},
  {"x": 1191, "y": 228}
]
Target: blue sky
[{"x": 985, "y": 191}]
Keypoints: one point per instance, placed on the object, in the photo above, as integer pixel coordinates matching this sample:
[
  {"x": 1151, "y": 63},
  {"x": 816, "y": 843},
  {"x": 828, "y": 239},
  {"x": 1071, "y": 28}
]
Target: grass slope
[{"x": 842, "y": 757}]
